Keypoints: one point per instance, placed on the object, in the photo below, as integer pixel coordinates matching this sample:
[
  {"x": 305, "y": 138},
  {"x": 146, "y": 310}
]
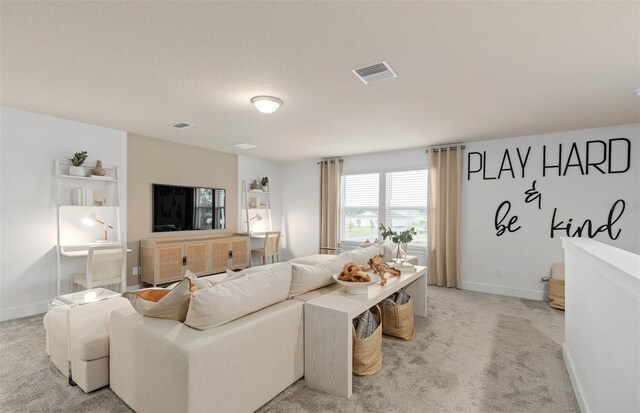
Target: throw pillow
[
  {"x": 305, "y": 278},
  {"x": 361, "y": 256},
  {"x": 166, "y": 303},
  {"x": 390, "y": 249},
  {"x": 228, "y": 301}
]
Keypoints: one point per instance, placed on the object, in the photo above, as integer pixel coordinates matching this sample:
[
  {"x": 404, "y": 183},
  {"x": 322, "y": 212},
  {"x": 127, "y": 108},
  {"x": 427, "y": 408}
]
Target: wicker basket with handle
[
  {"x": 556, "y": 286},
  {"x": 398, "y": 320},
  {"x": 367, "y": 352}
]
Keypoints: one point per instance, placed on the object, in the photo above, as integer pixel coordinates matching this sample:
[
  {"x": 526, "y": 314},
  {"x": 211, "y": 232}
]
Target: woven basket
[
  {"x": 556, "y": 286},
  {"x": 556, "y": 293},
  {"x": 367, "y": 352},
  {"x": 398, "y": 320}
]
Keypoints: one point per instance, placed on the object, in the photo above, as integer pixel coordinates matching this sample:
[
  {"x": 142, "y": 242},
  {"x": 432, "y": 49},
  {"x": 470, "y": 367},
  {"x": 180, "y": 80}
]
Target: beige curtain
[
  {"x": 443, "y": 202},
  {"x": 330, "y": 171}
]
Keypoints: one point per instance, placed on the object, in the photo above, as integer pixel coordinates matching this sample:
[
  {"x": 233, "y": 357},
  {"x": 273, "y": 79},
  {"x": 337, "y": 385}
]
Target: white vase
[
  {"x": 76, "y": 170},
  {"x": 265, "y": 188}
]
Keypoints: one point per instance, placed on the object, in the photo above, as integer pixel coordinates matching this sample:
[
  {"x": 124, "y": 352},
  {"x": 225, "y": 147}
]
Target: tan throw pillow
[
  {"x": 231, "y": 300},
  {"x": 166, "y": 303},
  {"x": 305, "y": 278}
]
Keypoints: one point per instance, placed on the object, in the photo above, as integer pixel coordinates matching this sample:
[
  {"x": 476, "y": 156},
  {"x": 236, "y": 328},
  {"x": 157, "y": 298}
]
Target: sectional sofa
[
  {"x": 241, "y": 344},
  {"x": 160, "y": 365}
]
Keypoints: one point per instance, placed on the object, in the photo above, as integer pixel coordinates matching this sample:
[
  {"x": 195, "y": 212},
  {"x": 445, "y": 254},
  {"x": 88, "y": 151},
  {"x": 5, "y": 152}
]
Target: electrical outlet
[
  {"x": 498, "y": 272},
  {"x": 136, "y": 270}
]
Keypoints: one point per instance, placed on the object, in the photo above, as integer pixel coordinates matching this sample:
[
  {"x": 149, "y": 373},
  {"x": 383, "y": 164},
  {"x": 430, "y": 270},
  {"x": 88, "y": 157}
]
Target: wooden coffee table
[{"x": 328, "y": 335}]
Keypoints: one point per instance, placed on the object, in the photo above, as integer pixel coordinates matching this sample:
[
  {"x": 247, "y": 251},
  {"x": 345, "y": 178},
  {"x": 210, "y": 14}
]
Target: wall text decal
[{"x": 582, "y": 158}]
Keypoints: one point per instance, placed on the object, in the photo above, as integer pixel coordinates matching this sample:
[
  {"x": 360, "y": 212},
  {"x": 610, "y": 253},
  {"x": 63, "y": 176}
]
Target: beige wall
[{"x": 154, "y": 161}]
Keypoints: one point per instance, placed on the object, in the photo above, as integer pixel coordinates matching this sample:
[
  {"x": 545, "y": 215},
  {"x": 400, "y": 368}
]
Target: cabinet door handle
[
  {"x": 184, "y": 260},
  {"x": 230, "y": 254}
]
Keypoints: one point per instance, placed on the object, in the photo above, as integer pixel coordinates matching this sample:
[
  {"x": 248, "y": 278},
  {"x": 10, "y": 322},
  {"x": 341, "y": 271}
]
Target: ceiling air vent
[
  {"x": 375, "y": 72},
  {"x": 184, "y": 125}
]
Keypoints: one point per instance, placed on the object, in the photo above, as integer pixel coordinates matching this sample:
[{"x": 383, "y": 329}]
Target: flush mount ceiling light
[
  {"x": 266, "y": 104},
  {"x": 244, "y": 145},
  {"x": 637, "y": 92}
]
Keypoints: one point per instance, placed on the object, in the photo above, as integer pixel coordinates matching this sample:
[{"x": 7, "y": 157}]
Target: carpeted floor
[{"x": 473, "y": 353}]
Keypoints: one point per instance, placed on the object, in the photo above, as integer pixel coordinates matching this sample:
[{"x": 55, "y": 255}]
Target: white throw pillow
[
  {"x": 390, "y": 251},
  {"x": 276, "y": 266},
  {"x": 228, "y": 301},
  {"x": 305, "y": 278},
  {"x": 361, "y": 256}
]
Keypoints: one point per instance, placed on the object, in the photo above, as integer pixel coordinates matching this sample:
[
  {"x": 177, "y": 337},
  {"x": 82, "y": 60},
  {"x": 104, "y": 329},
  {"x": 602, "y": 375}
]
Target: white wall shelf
[
  {"x": 69, "y": 217},
  {"x": 257, "y": 209}
]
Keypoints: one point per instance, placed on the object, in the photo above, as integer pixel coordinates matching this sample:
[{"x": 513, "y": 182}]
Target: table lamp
[{"x": 91, "y": 221}]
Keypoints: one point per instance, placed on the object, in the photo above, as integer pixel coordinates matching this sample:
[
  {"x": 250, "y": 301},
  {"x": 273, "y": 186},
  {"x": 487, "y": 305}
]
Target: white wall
[
  {"x": 30, "y": 142},
  {"x": 513, "y": 263},
  {"x": 301, "y": 209},
  {"x": 602, "y": 326}
]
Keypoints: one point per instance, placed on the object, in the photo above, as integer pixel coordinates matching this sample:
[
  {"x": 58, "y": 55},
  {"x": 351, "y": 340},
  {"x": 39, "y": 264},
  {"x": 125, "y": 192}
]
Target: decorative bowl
[{"x": 356, "y": 287}]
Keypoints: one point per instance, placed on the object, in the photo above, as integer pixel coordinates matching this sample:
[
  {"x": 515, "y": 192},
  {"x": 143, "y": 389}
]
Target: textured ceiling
[{"x": 466, "y": 70}]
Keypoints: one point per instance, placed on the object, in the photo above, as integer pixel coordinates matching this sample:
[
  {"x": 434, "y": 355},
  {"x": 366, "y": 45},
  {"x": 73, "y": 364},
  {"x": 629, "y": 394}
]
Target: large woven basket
[
  {"x": 556, "y": 293},
  {"x": 556, "y": 286},
  {"x": 367, "y": 352},
  {"x": 398, "y": 320}
]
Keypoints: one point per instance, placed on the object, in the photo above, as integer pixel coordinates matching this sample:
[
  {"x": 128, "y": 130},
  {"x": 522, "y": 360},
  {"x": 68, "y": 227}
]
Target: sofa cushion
[
  {"x": 227, "y": 301},
  {"x": 390, "y": 249},
  {"x": 276, "y": 266},
  {"x": 306, "y": 278},
  {"x": 310, "y": 295},
  {"x": 166, "y": 303},
  {"x": 361, "y": 256},
  {"x": 312, "y": 259}
]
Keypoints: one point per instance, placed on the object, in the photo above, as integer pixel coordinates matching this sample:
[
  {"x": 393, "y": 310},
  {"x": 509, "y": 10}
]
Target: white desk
[
  {"x": 82, "y": 250},
  {"x": 327, "y": 329}
]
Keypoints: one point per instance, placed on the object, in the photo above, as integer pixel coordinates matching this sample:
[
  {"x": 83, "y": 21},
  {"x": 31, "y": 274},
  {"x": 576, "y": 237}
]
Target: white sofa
[{"x": 160, "y": 365}]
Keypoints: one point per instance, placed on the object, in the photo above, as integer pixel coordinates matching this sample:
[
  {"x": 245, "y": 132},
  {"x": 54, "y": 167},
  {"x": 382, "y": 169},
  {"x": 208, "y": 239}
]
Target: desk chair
[
  {"x": 106, "y": 265},
  {"x": 271, "y": 247}
]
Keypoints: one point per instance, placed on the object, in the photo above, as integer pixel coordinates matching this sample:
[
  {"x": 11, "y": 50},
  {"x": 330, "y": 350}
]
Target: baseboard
[
  {"x": 23, "y": 311},
  {"x": 501, "y": 290},
  {"x": 133, "y": 287},
  {"x": 575, "y": 381}
]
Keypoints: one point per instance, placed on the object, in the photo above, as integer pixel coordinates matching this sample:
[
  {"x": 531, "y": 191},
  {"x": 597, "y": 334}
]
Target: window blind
[
  {"x": 406, "y": 202},
  {"x": 359, "y": 207}
]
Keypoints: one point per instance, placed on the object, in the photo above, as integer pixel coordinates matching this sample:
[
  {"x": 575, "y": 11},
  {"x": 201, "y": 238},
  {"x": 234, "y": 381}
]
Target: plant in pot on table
[
  {"x": 78, "y": 159},
  {"x": 403, "y": 237}
]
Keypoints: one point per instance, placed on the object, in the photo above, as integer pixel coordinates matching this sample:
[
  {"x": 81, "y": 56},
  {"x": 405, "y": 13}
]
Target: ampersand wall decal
[{"x": 532, "y": 195}]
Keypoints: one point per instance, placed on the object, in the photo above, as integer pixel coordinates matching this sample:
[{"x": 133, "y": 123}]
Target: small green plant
[
  {"x": 264, "y": 181},
  {"x": 79, "y": 158},
  {"x": 403, "y": 237}
]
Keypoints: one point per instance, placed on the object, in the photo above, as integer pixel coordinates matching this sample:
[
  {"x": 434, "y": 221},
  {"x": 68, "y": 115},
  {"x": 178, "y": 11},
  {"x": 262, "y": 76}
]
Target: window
[
  {"x": 406, "y": 202},
  {"x": 399, "y": 199},
  {"x": 204, "y": 208},
  {"x": 359, "y": 206}
]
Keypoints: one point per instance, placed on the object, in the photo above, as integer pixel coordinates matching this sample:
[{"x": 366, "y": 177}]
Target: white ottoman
[{"x": 78, "y": 341}]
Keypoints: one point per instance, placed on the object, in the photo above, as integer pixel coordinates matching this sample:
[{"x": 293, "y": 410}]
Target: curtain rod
[
  {"x": 329, "y": 161},
  {"x": 444, "y": 149}
]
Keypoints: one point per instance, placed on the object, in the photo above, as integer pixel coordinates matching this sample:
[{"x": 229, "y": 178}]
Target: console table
[{"x": 328, "y": 321}]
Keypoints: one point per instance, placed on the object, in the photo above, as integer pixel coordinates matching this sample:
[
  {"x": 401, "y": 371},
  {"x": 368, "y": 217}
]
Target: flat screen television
[{"x": 185, "y": 208}]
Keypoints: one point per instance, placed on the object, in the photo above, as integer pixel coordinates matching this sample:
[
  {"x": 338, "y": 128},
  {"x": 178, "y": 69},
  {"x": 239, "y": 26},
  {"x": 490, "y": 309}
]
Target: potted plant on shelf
[
  {"x": 403, "y": 237},
  {"x": 78, "y": 159},
  {"x": 265, "y": 183}
]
